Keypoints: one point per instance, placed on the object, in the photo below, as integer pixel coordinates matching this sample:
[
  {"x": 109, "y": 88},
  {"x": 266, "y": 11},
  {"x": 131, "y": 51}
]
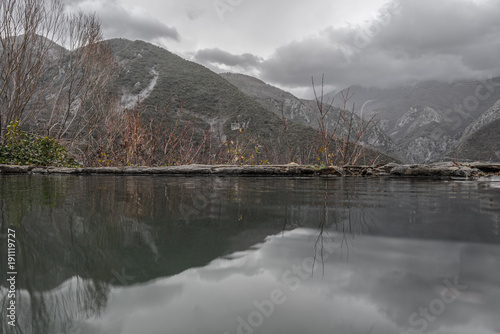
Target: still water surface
[{"x": 144, "y": 255}]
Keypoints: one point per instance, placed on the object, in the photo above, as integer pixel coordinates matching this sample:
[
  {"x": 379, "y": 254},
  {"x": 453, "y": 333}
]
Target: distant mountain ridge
[{"x": 431, "y": 120}]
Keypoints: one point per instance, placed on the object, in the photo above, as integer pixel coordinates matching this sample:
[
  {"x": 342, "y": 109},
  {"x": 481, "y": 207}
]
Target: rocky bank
[{"x": 439, "y": 170}]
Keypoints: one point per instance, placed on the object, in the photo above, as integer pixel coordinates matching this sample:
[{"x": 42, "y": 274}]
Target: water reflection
[
  {"x": 377, "y": 290},
  {"x": 111, "y": 254}
]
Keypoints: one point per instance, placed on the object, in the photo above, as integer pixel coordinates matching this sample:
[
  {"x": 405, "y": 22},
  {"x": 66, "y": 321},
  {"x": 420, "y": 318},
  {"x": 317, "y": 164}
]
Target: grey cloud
[
  {"x": 217, "y": 56},
  {"x": 119, "y": 21},
  {"x": 421, "y": 40}
]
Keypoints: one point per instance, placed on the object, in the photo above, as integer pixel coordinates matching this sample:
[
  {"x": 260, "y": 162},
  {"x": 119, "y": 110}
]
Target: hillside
[
  {"x": 157, "y": 77},
  {"x": 481, "y": 139},
  {"x": 475, "y": 149},
  {"x": 274, "y": 99}
]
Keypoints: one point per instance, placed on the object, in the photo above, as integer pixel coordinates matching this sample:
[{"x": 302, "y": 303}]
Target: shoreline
[{"x": 441, "y": 170}]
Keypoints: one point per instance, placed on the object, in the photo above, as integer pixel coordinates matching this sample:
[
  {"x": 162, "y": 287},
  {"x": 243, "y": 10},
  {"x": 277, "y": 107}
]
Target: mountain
[
  {"x": 156, "y": 77},
  {"x": 274, "y": 99},
  {"x": 305, "y": 112},
  {"x": 428, "y": 120}
]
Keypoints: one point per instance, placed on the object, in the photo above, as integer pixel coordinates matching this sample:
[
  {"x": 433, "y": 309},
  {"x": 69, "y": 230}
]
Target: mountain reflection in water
[{"x": 103, "y": 254}]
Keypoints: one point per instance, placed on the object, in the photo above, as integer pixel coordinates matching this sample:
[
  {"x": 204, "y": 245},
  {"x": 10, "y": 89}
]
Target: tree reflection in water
[{"x": 344, "y": 212}]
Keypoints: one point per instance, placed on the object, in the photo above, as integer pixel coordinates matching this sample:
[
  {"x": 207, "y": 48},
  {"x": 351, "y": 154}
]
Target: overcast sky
[{"x": 285, "y": 43}]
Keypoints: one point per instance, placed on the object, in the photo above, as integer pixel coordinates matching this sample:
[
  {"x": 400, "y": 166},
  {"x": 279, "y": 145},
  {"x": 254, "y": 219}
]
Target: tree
[
  {"x": 28, "y": 31},
  {"x": 343, "y": 136},
  {"x": 59, "y": 87},
  {"x": 85, "y": 72}
]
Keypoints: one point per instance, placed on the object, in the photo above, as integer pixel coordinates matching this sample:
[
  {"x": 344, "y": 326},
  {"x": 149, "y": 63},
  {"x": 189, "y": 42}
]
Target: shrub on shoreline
[{"x": 22, "y": 148}]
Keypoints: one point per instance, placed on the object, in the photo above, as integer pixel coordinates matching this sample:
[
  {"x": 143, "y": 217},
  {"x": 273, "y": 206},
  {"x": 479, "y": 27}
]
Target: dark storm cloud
[
  {"x": 219, "y": 57},
  {"x": 409, "y": 41}
]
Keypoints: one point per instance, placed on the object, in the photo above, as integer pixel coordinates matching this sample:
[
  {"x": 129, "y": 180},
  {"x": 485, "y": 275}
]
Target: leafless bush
[
  {"x": 341, "y": 140},
  {"x": 240, "y": 149},
  {"x": 129, "y": 137}
]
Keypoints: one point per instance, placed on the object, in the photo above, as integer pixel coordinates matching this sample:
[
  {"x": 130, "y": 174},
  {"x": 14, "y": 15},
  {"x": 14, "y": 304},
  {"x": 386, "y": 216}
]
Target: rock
[
  {"x": 14, "y": 169},
  {"x": 486, "y": 167},
  {"x": 447, "y": 169}
]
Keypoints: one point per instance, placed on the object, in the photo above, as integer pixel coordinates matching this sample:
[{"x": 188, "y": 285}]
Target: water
[{"x": 116, "y": 255}]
